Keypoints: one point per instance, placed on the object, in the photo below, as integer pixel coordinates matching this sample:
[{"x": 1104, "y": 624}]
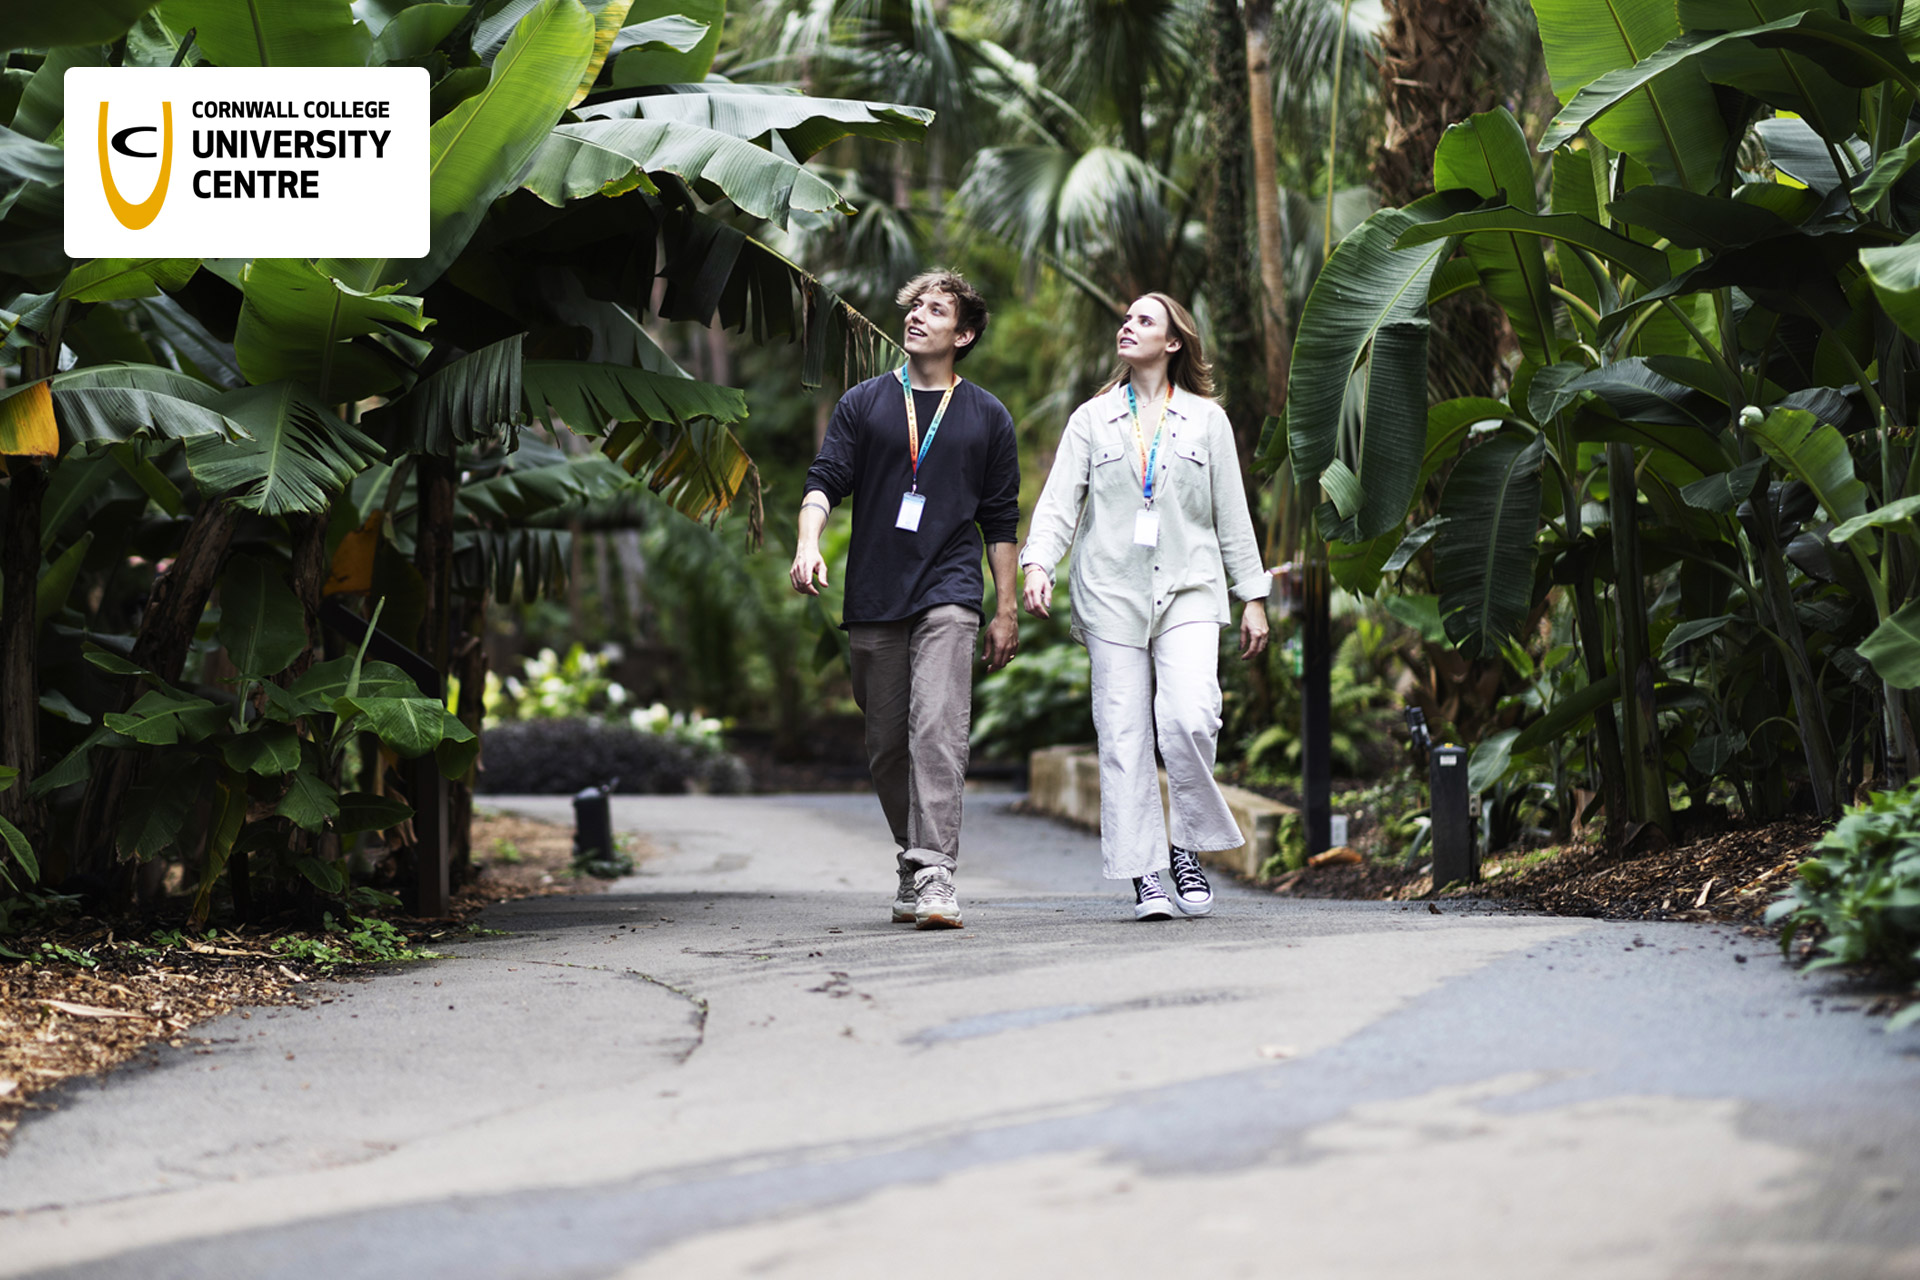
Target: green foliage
[
  {"x": 1858, "y": 897},
  {"x": 360, "y": 940},
  {"x": 1042, "y": 698},
  {"x": 1697, "y": 462},
  {"x": 18, "y": 850}
]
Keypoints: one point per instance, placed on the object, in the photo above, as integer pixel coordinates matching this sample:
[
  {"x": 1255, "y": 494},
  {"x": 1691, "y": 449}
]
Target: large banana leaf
[
  {"x": 1844, "y": 51},
  {"x": 1815, "y": 454},
  {"x": 1690, "y": 220},
  {"x": 1776, "y": 76},
  {"x": 540, "y": 496},
  {"x": 298, "y": 323},
  {"x": 498, "y": 561},
  {"x": 299, "y": 457},
  {"x": 613, "y": 156},
  {"x": 273, "y": 33},
  {"x": 1671, "y": 122},
  {"x": 1643, "y": 262},
  {"x": 1483, "y": 555},
  {"x": 806, "y": 125},
  {"x": 23, "y": 160},
  {"x": 589, "y": 396},
  {"x": 1367, "y": 316},
  {"x": 113, "y": 279},
  {"x": 109, "y": 404},
  {"x": 43, "y": 104},
  {"x": 1894, "y": 272},
  {"x": 262, "y": 623},
  {"x": 609, "y": 16},
  {"x": 671, "y": 431},
  {"x": 647, "y": 66},
  {"x": 1488, "y": 156},
  {"x": 477, "y": 397},
  {"x": 27, "y": 425},
  {"x": 412, "y": 33},
  {"x": 43, "y": 24},
  {"x": 480, "y": 148},
  {"x": 1894, "y": 647}
]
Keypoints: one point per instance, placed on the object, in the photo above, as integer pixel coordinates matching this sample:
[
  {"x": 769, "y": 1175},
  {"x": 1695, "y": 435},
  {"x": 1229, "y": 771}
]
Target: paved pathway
[{"x": 732, "y": 1065}]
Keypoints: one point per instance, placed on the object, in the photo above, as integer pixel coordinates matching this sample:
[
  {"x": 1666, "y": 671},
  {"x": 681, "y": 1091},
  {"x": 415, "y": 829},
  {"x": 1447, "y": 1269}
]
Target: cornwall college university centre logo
[
  {"x": 230, "y": 162},
  {"x": 132, "y": 216}
]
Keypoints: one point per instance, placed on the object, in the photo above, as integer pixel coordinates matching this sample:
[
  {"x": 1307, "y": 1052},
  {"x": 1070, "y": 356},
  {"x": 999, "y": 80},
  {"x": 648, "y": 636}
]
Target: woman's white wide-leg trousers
[{"x": 1168, "y": 692}]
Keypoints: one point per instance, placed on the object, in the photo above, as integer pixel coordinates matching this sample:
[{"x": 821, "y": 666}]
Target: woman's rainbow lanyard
[
  {"x": 1148, "y": 457},
  {"x": 916, "y": 447}
]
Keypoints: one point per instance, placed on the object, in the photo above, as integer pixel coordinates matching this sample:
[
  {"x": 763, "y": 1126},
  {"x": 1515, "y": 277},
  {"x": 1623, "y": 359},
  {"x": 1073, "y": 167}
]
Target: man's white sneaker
[
  {"x": 935, "y": 905},
  {"x": 904, "y": 897},
  {"x": 1191, "y": 892},
  {"x": 1149, "y": 899}
]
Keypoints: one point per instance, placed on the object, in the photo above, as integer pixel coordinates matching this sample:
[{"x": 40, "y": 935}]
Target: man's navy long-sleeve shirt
[{"x": 970, "y": 479}]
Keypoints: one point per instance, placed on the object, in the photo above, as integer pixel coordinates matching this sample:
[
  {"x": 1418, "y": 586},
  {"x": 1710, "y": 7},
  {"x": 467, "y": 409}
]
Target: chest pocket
[
  {"x": 1109, "y": 471},
  {"x": 1189, "y": 479}
]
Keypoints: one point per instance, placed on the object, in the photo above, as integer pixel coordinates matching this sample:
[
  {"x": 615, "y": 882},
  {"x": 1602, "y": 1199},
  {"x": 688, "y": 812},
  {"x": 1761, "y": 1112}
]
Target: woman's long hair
[{"x": 1187, "y": 368}]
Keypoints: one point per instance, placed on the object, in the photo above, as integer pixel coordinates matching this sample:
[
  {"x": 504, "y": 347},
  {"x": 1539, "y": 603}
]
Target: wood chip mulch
[
  {"x": 1731, "y": 877},
  {"x": 62, "y": 1017}
]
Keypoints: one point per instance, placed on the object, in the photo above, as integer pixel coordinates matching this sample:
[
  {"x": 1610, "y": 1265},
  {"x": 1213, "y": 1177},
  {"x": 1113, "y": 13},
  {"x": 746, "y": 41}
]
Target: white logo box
[{"x": 278, "y": 162}]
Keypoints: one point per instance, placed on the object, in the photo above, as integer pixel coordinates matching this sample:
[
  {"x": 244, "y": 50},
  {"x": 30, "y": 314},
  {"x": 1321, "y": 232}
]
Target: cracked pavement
[{"x": 733, "y": 1064}]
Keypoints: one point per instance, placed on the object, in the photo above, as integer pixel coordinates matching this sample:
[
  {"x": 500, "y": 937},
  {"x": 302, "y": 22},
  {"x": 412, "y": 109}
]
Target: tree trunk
[
  {"x": 308, "y": 534},
  {"x": 1238, "y": 358},
  {"x": 433, "y": 553},
  {"x": 470, "y": 669},
  {"x": 1431, "y": 77},
  {"x": 1266, "y": 203},
  {"x": 1645, "y": 761},
  {"x": 20, "y": 556},
  {"x": 173, "y": 612}
]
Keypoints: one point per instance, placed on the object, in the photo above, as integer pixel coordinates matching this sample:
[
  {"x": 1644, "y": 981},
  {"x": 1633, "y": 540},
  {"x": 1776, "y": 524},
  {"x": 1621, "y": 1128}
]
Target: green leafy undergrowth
[
  {"x": 1858, "y": 897},
  {"x": 361, "y": 940}
]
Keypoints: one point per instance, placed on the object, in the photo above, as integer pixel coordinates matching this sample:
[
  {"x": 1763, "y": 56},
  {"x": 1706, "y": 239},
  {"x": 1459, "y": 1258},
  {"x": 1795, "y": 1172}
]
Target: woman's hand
[
  {"x": 1254, "y": 632},
  {"x": 1037, "y": 592}
]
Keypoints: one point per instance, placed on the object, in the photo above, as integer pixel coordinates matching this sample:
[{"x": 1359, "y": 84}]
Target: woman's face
[{"x": 1145, "y": 335}]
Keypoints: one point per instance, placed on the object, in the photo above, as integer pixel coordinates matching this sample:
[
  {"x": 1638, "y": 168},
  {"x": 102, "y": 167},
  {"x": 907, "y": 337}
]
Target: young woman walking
[{"x": 1146, "y": 493}]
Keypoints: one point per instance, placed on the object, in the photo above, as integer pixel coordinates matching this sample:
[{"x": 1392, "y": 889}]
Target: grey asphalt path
[{"x": 733, "y": 1065}]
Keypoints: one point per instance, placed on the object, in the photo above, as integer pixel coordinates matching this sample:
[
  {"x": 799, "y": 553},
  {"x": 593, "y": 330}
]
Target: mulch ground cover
[
  {"x": 88, "y": 998},
  {"x": 1731, "y": 876}
]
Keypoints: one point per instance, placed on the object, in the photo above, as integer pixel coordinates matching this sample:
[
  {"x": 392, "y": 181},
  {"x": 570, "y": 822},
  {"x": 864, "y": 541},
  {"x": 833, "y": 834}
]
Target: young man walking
[{"x": 933, "y": 469}]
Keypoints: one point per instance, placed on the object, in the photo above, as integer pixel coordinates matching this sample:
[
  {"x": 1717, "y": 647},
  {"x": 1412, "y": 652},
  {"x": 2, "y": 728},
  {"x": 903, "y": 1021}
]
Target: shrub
[
  {"x": 560, "y": 757},
  {"x": 1040, "y": 699},
  {"x": 1859, "y": 895}
]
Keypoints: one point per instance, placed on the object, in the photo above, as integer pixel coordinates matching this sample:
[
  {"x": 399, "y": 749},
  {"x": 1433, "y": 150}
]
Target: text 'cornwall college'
[{"x": 338, "y": 143}]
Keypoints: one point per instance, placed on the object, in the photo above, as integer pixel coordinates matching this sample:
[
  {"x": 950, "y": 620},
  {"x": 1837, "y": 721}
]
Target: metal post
[
  {"x": 1453, "y": 860},
  {"x": 593, "y": 824},
  {"x": 1316, "y": 700}
]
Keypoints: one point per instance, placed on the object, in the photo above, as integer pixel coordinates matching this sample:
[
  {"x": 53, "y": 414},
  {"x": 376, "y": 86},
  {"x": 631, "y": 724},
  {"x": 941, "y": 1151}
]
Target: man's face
[{"x": 933, "y": 325}]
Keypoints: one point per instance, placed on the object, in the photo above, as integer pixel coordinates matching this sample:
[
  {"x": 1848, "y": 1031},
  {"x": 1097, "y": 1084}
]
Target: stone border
[{"x": 1064, "y": 782}]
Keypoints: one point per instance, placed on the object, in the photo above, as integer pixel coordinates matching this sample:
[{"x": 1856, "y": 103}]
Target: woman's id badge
[
  {"x": 1146, "y": 528},
  {"x": 911, "y": 505}
]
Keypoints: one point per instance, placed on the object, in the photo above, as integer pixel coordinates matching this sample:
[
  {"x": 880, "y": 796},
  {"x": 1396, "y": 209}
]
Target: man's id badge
[
  {"x": 1146, "y": 528},
  {"x": 911, "y": 505}
]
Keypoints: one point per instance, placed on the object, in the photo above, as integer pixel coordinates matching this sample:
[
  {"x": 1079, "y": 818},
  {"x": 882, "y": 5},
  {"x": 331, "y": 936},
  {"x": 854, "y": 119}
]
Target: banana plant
[
  {"x": 571, "y": 142},
  {"x": 1713, "y": 293}
]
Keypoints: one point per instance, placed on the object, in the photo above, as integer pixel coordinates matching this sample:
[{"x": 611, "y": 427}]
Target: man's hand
[
  {"x": 1003, "y": 641},
  {"x": 807, "y": 565},
  {"x": 1037, "y": 592},
  {"x": 1254, "y": 632}
]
